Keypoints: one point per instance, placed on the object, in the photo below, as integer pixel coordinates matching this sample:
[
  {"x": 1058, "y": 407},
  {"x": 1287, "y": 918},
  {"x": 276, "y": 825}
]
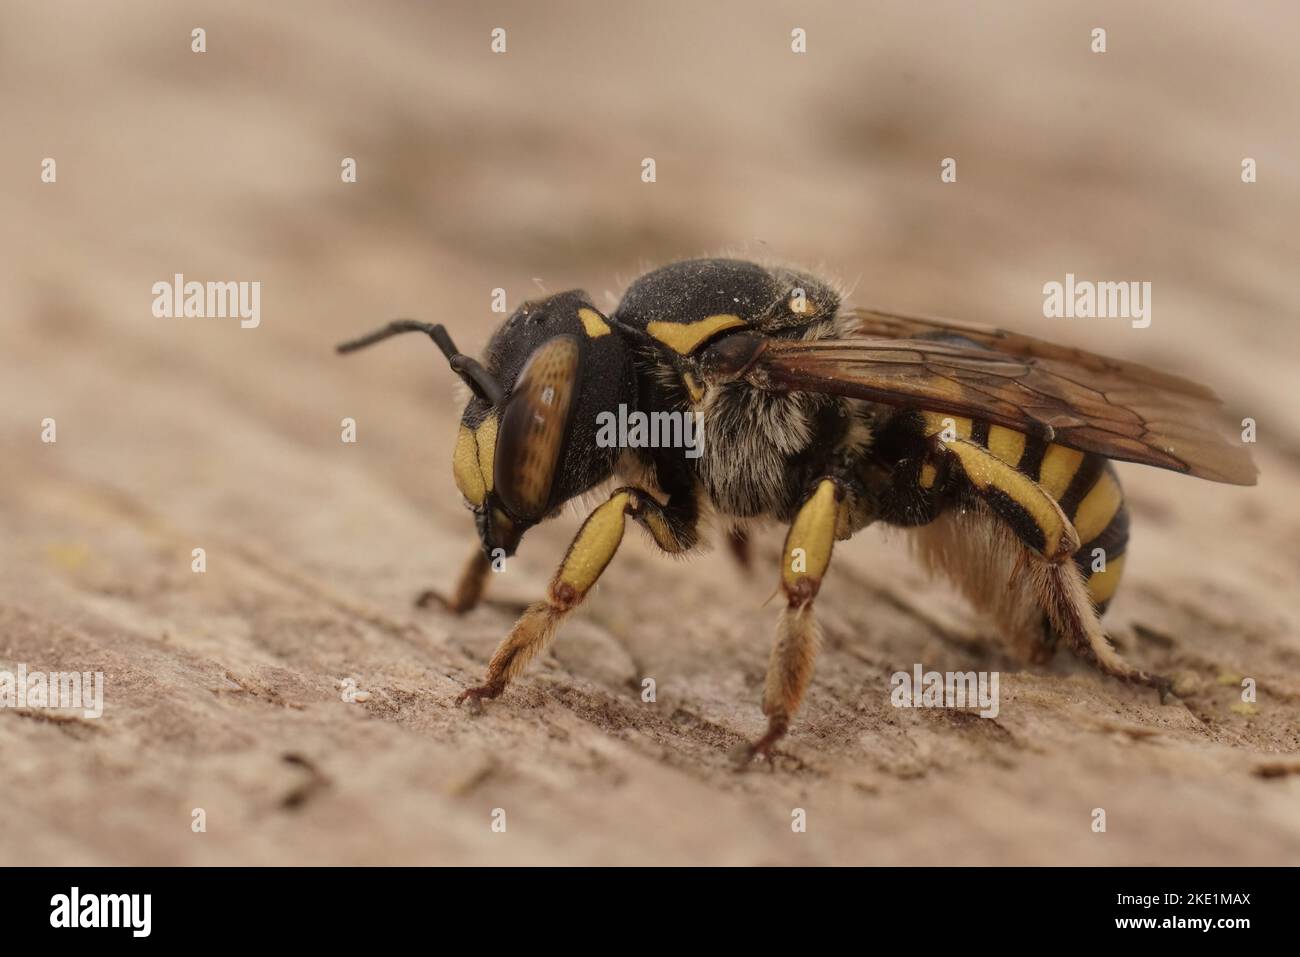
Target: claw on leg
[
  {"x": 743, "y": 754},
  {"x": 789, "y": 670},
  {"x": 473, "y": 698},
  {"x": 531, "y": 633}
]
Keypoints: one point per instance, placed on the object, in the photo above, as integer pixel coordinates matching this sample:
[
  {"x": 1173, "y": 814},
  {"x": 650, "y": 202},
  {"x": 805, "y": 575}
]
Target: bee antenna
[
  {"x": 469, "y": 369},
  {"x": 633, "y": 333}
]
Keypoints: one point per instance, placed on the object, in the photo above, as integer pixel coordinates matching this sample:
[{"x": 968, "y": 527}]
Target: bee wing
[
  {"x": 1121, "y": 410},
  {"x": 875, "y": 324}
]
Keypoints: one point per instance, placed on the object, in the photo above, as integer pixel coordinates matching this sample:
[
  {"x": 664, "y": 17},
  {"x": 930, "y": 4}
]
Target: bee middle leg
[
  {"x": 805, "y": 558},
  {"x": 741, "y": 549},
  {"x": 672, "y": 527}
]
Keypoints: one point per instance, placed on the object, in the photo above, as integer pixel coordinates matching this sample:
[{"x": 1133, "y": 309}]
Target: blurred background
[{"x": 522, "y": 171}]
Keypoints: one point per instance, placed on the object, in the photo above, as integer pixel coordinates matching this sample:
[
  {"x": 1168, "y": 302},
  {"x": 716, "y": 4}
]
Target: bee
[{"x": 992, "y": 448}]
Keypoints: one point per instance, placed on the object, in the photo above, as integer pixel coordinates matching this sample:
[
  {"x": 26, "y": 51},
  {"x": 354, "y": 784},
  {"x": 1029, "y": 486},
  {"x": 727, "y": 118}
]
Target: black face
[{"x": 559, "y": 363}]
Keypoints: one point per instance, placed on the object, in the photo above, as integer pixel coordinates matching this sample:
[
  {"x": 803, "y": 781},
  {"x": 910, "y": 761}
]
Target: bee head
[{"x": 527, "y": 438}]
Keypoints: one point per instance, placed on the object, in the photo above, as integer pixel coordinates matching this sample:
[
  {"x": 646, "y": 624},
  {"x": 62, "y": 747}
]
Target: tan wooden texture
[{"x": 478, "y": 171}]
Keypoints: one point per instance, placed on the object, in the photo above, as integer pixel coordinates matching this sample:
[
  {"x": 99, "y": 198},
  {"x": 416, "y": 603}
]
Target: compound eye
[{"x": 533, "y": 427}]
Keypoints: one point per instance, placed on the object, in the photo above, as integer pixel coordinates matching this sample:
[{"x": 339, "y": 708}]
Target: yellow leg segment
[
  {"x": 807, "y": 555},
  {"x": 587, "y": 557}
]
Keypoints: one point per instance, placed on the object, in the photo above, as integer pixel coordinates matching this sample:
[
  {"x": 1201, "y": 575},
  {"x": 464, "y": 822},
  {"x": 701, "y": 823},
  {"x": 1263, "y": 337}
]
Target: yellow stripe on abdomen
[
  {"x": 1102, "y": 522},
  {"x": 1006, "y": 444},
  {"x": 1098, "y": 507},
  {"x": 1102, "y": 585},
  {"x": 1058, "y": 468},
  {"x": 937, "y": 422}
]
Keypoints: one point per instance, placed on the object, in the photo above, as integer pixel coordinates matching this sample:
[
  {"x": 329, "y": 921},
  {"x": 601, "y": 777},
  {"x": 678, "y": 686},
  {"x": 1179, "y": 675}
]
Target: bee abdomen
[
  {"x": 1087, "y": 488},
  {"x": 1084, "y": 484},
  {"x": 1101, "y": 518}
]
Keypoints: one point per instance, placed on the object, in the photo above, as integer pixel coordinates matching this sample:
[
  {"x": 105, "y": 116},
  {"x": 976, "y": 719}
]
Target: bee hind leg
[
  {"x": 1064, "y": 597},
  {"x": 1048, "y": 542},
  {"x": 1048, "y": 640}
]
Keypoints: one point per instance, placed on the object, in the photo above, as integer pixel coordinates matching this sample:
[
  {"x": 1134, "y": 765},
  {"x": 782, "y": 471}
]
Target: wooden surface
[{"x": 479, "y": 171}]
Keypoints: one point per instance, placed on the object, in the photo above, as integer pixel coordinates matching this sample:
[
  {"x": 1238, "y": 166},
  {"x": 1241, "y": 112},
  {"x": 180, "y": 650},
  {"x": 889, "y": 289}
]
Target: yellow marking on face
[
  {"x": 814, "y": 532},
  {"x": 597, "y": 541},
  {"x": 928, "y": 474},
  {"x": 1098, "y": 507},
  {"x": 485, "y": 437},
  {"x": 593, "y": 322},
  {"x": 693, "y": 387},
  {"x": 987, "y": 471},
  {"x": 1102, "y": 585},
  {"x": 471, "y": 461},
  {"x": 465, "y": 467},
  {"x": 937, "y": 422},
  {"x": 685, "y": 337},
  {"x": 1006, "y": 444},
  {"x": 1059, "y": 466}
]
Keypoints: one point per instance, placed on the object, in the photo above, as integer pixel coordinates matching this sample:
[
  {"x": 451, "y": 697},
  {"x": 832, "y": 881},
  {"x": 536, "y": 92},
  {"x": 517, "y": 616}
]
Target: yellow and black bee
[{"x": 993, "y": 446}]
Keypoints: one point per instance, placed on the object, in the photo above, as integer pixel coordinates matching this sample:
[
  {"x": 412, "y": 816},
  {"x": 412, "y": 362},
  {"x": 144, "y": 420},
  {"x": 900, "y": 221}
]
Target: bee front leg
[
  {"x": 467, "y": 593},
  {"x": 468, "y": 590},
  {"x": 806, "y": 556},
  {"x": 671, "y": 526}
]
